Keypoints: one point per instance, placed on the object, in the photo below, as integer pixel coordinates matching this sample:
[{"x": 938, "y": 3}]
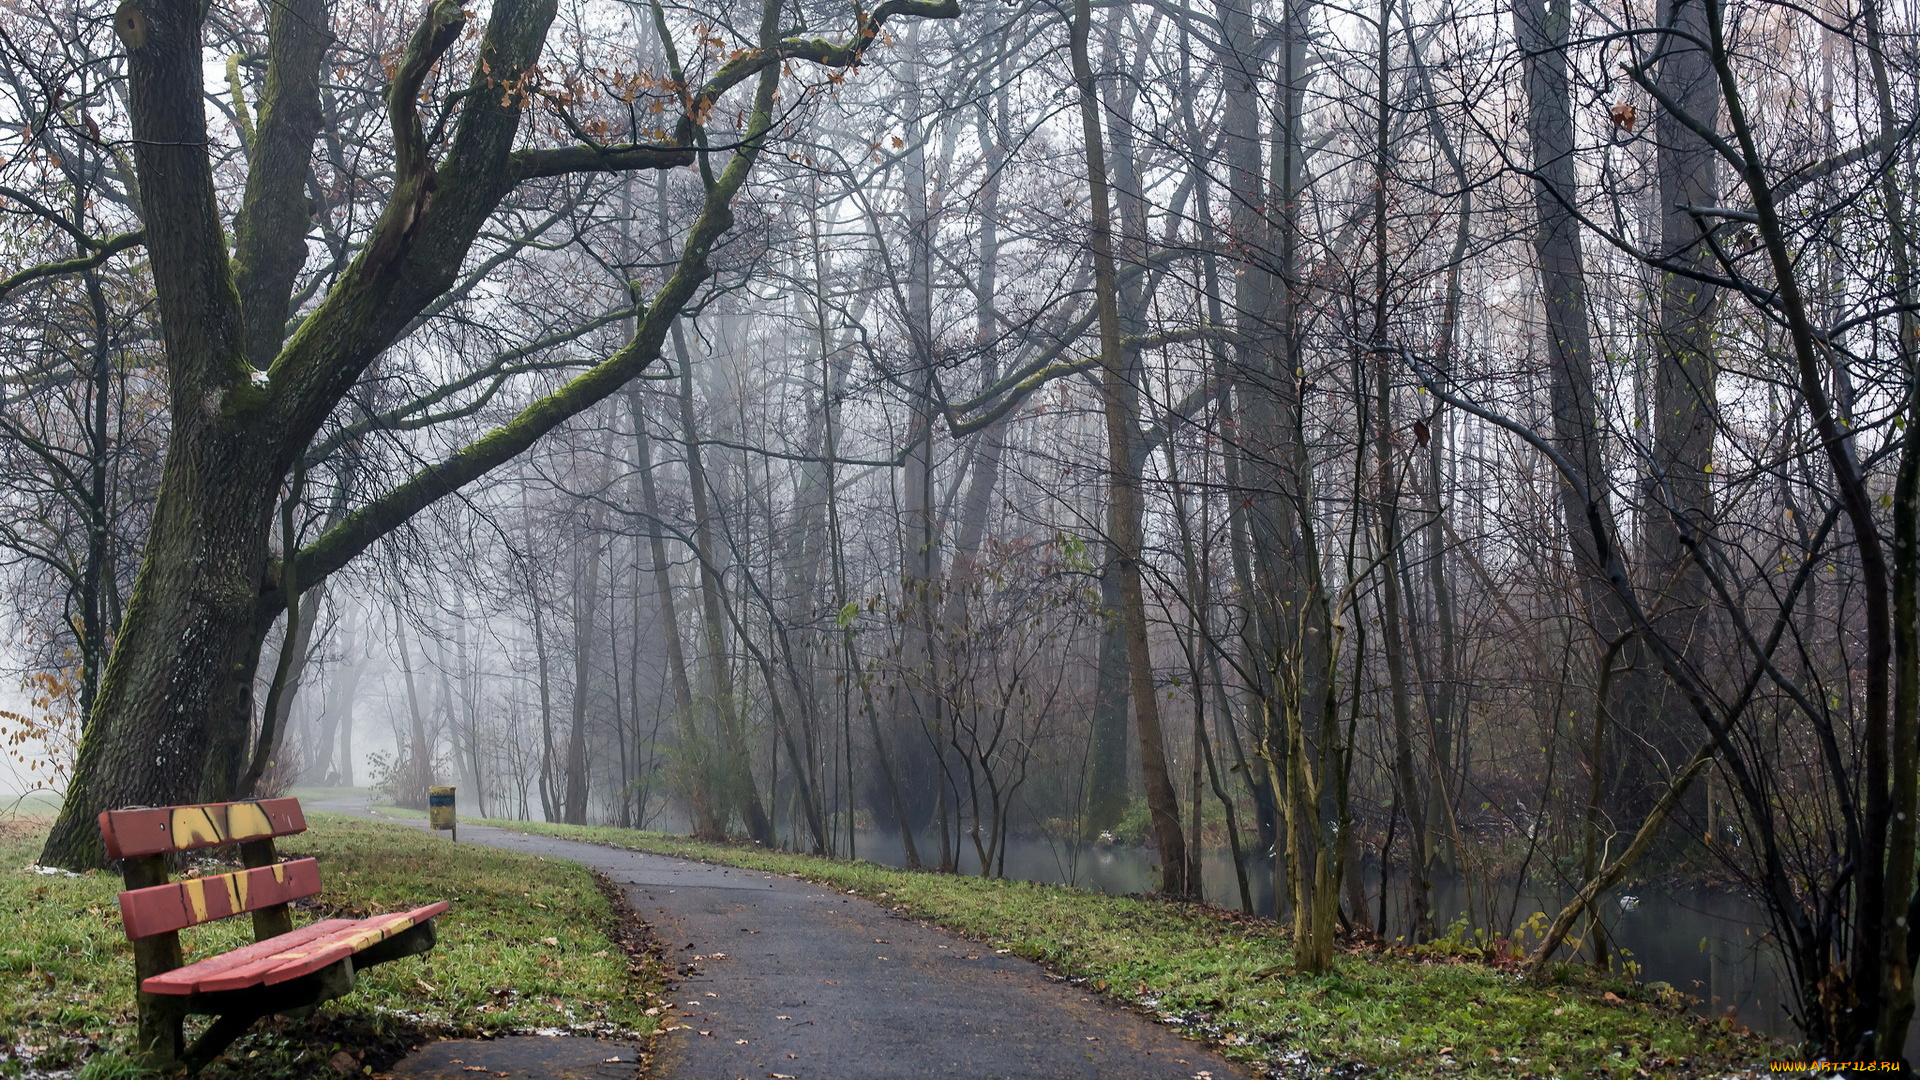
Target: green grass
[
  {"x": 530, "y": 944},
  {"x": 1225, "y": 978}
]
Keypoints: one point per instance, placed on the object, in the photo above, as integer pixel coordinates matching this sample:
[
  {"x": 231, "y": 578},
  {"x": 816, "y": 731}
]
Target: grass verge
[
  {"x": 531, "y": 944},
  {"x": 1226, "y": 979}
]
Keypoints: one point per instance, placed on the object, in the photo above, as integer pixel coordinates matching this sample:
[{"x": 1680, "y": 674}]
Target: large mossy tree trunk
[{"x": 180, "y": 676}]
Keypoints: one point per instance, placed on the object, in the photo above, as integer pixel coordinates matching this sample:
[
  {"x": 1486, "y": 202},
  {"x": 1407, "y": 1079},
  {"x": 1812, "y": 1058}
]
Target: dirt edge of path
[{"x": 646, "y": 959}]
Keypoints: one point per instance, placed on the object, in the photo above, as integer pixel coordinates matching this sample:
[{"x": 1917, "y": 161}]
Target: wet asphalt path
[{"x": 793, "y": 979}]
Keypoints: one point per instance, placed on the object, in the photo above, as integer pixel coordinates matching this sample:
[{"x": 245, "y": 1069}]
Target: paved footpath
[{"x": 793, "y": 979}]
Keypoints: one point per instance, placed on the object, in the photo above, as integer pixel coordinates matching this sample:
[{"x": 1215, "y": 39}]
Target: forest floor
[
  {"x": 1221, "y": 978},
  {"x": 532, "y": 945}
]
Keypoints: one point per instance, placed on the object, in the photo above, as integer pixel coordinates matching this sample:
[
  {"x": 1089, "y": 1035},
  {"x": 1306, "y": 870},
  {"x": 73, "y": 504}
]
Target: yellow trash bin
[{"x": 440, "y": 810}]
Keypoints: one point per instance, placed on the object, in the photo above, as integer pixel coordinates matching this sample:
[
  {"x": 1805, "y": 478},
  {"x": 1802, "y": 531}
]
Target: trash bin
[{"x": 440, "y": 810}]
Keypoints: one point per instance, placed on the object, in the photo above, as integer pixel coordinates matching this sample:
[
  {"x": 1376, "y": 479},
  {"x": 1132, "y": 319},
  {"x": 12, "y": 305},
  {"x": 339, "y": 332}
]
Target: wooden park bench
[{"x": 284, "y": 971}]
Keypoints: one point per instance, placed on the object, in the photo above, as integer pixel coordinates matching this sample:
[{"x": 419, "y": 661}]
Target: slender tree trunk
[
  {"x": 736, "y": 761},
  {"x": 1685, "y": 400},
  {"x": 1445, "y": 719},
  {"x": 586, "y": 598},
  {"x": 549, "y": 803},
  {"x": 1244, "y": 416},
  {"x": 702, "y": 819},
  {"x": 1596, "y": 783},
  {"x": 1394, "y": 628},
  {"x": 918, "y": 714},
  {"x": 97, "y": 578},
  {"x": 1107, "y": 757},
  {"x": 1123, "y": 486},
  {"x": 339, "y": 700},
  {"x": 419, "y": 771},
  {"x": 1542, "y": 28},
  {"x": 346, "y": 732},
  {"x": 1901, "y": 904}
]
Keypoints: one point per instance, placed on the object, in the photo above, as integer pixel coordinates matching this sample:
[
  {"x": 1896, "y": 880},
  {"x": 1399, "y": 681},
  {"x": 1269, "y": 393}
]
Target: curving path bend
[{"x": 793, "y": 979}]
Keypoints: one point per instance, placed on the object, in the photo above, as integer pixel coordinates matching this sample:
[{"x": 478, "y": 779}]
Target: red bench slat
[
  {"x": 311, "y": 957},
  {"x": 163, "y": 829},
  {"x": 229, "y": 970},
  {"x": 190, "y": 902},
  {"x": 289, "y": 956}
]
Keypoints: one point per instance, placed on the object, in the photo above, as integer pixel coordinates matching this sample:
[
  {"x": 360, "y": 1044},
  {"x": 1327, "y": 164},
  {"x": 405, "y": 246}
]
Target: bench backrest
[
  {"x": 162, "y": 830},
  {"x": 148, "y": 833}
]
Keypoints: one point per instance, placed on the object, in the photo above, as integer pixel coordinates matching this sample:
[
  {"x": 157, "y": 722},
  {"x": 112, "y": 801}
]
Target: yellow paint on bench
[
  {"x": 193, "y": 825},
  {"x": 246, "y": 821}
]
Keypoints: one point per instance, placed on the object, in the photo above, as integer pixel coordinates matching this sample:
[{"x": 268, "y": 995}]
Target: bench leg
[
  {"x": 159, "y": 1040},
  {"x": 216, "y": 1038},
  {"x": 236, "y": 1010}
]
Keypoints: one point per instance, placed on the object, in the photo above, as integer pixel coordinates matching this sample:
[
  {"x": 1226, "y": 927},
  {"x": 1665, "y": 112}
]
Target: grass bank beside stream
[
  {"x": 531, "y": 944},
  {"x": 1225, "y": 979}
]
